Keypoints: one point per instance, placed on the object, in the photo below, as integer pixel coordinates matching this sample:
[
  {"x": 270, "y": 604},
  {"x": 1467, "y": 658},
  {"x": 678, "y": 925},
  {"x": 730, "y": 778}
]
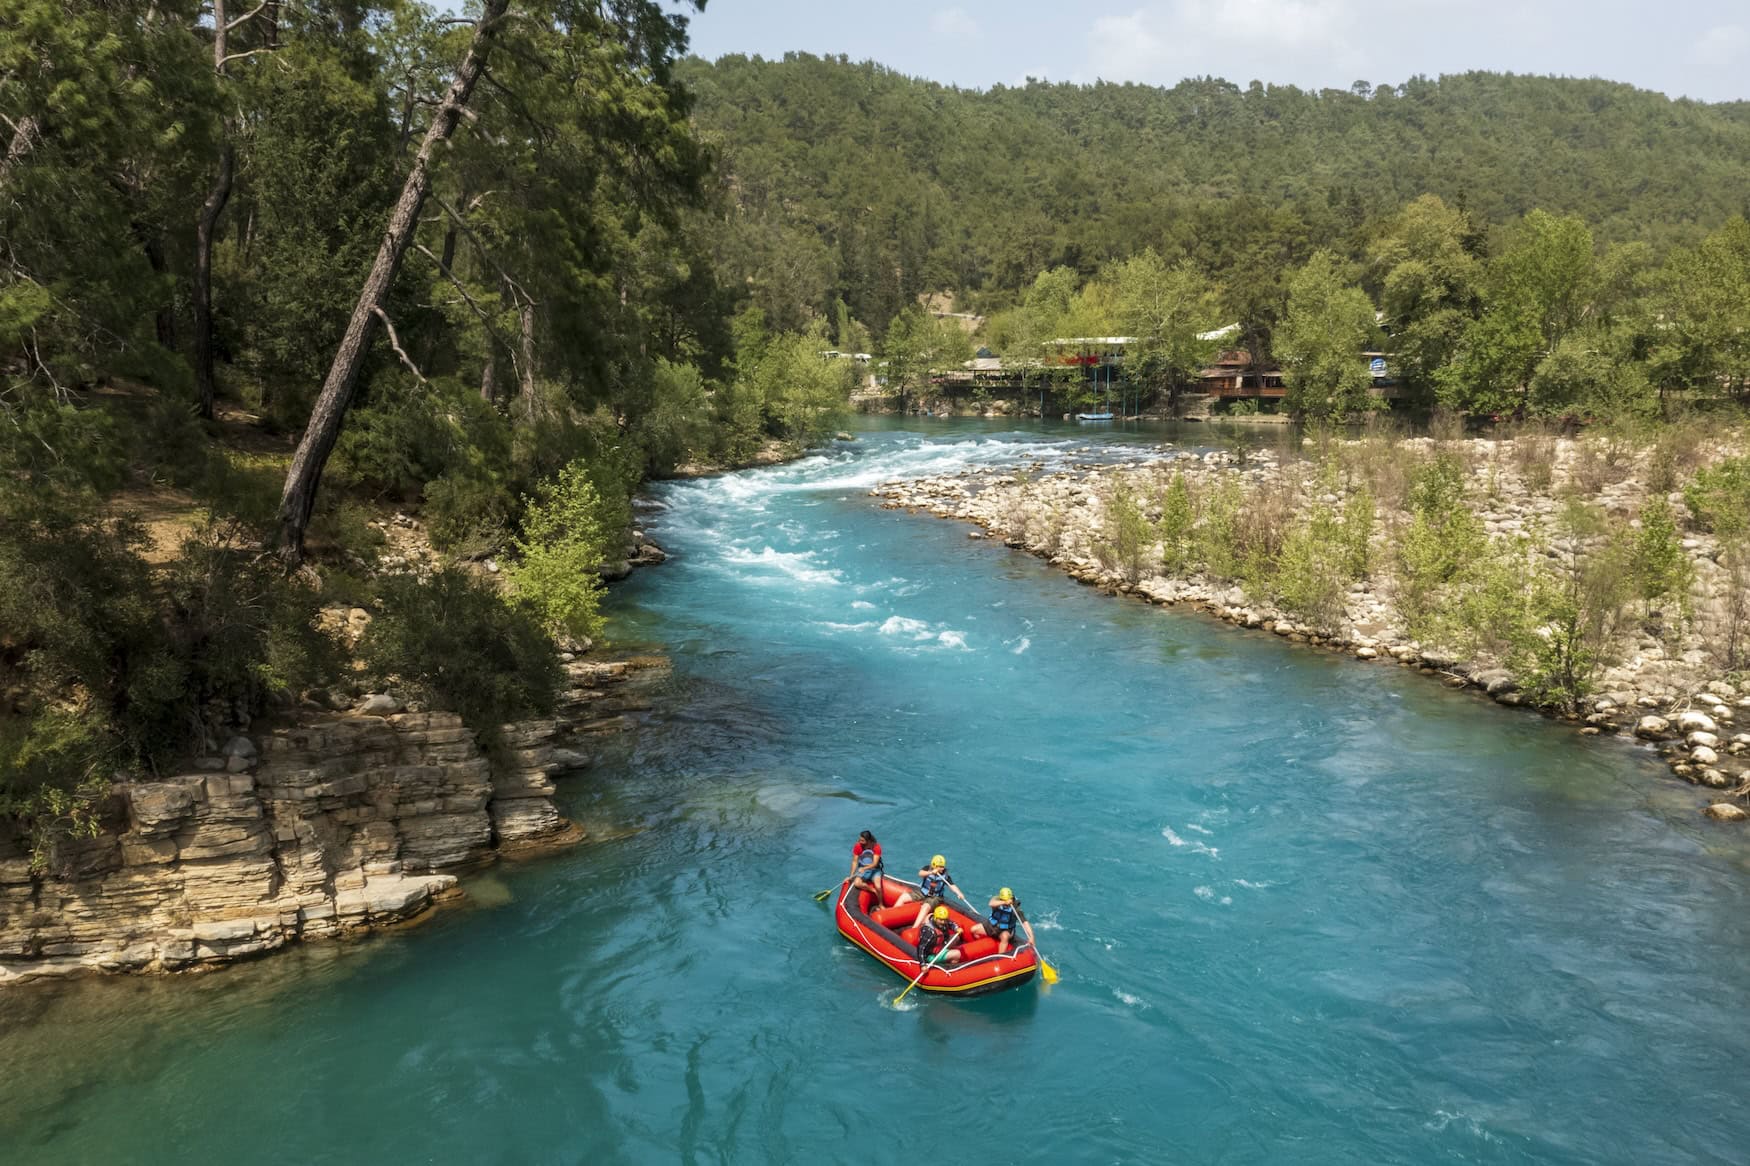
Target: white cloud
[
  {"x": 1721, "y": 46},
  {"x": 954, "y": 23},
  {"x": 1276, "y": 39}
]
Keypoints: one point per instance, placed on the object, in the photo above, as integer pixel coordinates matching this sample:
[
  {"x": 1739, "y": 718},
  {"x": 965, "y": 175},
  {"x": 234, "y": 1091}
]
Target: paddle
[
  {"x": 821, "y": 898},
  {"x": 1046, "y": 971},
  {"x": 928, "y": 964}
]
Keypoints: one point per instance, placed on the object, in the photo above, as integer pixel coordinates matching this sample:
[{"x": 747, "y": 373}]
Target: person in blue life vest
[
  {"x": 937, "y": 937},
  {"x": 934, "y": 883},
  {"x": 866, "y": 866},
  {"x": 1005, "y": 913}
]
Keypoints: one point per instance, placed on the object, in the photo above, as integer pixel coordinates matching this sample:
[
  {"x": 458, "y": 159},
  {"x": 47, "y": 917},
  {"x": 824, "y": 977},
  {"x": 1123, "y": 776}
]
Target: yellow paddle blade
[
  {"x": 821, "y": 898},
  {"x": 1047, "y": 971}
]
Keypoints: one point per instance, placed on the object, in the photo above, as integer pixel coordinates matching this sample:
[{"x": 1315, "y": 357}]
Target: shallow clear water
[{"x": 1305, "y": 910}]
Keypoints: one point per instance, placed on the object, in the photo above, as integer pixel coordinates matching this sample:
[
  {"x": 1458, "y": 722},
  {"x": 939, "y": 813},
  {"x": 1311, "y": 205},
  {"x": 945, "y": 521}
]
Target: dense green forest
[
  {"x": 270, "y": 272},
  {"x": 849, "y": 180}
]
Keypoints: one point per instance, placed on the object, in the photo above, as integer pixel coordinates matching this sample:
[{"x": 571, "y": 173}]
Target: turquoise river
[{"x": 1306, "y": 910}]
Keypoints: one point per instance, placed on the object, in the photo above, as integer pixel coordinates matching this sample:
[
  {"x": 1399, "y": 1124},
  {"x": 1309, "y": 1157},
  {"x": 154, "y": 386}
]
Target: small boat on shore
[
  {"x": 1093, "y": 416},
  {"x": 886, "y": 932}
]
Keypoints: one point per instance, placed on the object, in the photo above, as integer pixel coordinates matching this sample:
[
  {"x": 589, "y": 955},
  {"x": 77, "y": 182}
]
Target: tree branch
[
  {"x": 395, "y": 344},
  {"x": 456, "y": 217},
  {"x": 247, "y": 16},
  {"x": 229, "y": 57},
  {"x": 485, "y": 318}
]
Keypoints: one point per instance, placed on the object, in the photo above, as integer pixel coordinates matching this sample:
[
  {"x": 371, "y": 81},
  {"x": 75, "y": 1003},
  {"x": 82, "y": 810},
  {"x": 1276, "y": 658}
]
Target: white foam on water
[
  {"x": 1464, "y": 1121},
  {"x": 1195, "y": 846},
  {"x": 1251, "y": 886},
  {"x": 862, "y": 605},
  {"x": 798, "y": 565},
  {"x": 899, "y": 625},
  {"x": 1020, "y": 646},
  {"x": 1127, "y": 998},
  {"x": 845, "y": 627},
  {"x": 952, "y": 640},
  {"x": 1200, "y": 829},
  {"x": 1047, "y": 923},
  {"x": 1208, "y": 895}
]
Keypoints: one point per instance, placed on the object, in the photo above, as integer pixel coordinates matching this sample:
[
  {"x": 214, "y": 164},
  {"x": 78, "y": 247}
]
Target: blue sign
[{"x": 1377, "y": 366}]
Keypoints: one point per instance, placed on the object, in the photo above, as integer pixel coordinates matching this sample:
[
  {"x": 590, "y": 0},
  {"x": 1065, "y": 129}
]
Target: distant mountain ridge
[{"x": 850, "y": 180}]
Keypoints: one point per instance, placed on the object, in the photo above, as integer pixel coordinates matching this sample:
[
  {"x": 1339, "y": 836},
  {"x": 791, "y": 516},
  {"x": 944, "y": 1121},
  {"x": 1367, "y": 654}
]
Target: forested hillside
[{"x": 850, "y": 180}]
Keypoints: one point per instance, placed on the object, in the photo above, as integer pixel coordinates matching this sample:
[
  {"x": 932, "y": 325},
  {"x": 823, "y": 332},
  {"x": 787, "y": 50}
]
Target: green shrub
[
  {"x": 1659, "y": 566},
  {"x": 242, "y": 632},
  {"x": 1719, "y": 497},
  {"x": 454, "y": 644},
  {"x": 1432, "y": 553},
  {"x": 563, "y": 545},
  {"x": 467, "y": 514},
  {"x": 1217, "y": 535},
  {"x": 1312, "y": 577},
  {"x": 55, "y": 769},
  {"x": 1178, "y": 518},
  {"x": 674, "y": 424},
  {"x": 1357, "y": 534},
  {"x": 1124, "y": 533},
  {"x": 1577, "y": 604}
]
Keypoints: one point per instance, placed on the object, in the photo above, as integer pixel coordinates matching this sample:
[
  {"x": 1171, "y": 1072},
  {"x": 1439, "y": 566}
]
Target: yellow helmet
[
  {"x": 940, "y": 915},
  {"x": 938, "y": 861},
  {"x": 1006, "y": 895}
]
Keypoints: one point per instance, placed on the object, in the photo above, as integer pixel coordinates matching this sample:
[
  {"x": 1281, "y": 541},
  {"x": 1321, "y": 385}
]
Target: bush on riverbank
[
  {"x": 563, "y": 545},
  {"x": 453, "y": 642},
  {"x": 1558, "y": 585}
]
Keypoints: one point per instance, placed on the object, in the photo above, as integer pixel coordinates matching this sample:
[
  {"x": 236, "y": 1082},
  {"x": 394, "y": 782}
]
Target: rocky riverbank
[
  {"x": 1663, "y": 683},
  {"x": 333, "y": 824}
]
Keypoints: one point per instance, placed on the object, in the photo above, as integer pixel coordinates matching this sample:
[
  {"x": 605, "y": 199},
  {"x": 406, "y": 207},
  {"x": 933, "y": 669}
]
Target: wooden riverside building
[{"x": 1230, "y": 376}]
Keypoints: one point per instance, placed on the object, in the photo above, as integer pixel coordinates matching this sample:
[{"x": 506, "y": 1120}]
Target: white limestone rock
[
  {"x": 1651, "y": 728},
  {"x": 1692, "y": 721}
]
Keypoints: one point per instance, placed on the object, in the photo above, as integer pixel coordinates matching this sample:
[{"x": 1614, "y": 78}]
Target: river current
[{"x": 1305, "y": 910}]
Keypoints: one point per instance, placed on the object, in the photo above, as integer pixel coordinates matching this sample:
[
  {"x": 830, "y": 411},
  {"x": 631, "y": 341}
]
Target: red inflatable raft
[{"x": 886, "y": 932}]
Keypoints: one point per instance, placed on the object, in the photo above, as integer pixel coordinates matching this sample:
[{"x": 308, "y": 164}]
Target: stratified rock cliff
[{"x": 332, "y": 825}]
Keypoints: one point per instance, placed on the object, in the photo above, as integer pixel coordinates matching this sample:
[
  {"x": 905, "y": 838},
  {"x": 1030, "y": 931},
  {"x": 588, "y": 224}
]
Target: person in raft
[
  {"x": 934, "y": 883},
  {"x": 866, "y": 865},
  {"x": 936, "y": 939},
  {"x": 1005, "y": 912}
]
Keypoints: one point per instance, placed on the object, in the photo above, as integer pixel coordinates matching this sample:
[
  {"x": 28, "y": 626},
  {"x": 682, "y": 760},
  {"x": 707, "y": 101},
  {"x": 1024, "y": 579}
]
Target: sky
[{"x": 1691, "y": 48}]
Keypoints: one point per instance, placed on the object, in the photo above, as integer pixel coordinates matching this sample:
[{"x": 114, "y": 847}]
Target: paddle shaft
[{"x": 929, "y": 963}]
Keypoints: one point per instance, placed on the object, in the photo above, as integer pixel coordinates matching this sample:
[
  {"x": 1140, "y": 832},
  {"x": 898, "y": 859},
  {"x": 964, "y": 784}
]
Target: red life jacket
[{"x": 933, "y": 938}]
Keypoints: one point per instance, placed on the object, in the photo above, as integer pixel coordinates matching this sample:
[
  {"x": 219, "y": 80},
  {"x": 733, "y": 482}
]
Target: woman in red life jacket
[
  {"x": 866, "y": 866},
  {"x": 937, "y": 937}
]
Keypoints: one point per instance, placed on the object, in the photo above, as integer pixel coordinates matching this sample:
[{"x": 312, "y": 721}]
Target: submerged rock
[{"x": 1726, "y": 812}]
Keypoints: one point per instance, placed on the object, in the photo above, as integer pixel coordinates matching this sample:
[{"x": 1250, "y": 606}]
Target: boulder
[
  {"x": 1702, "y": 755},
  {"x": 1699, "y": 739},
  {"x": 1652, "y": 728},
  {"x": 1726, "y": 812},
  {"x": 1691, "y": 721},
  {"x": 1496, "y": 681},
  {"x": 379, "y": 704},
  {"x": 1366, "y": 654}
]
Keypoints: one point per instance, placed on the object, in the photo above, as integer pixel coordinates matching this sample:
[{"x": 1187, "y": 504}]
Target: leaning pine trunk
[
  {"x": 206, "y": 226},
  {"x": 299, "y": 497}
]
